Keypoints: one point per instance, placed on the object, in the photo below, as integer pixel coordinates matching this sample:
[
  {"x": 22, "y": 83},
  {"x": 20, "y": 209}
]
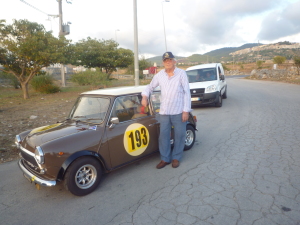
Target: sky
[{"x": 184, "y": 27}]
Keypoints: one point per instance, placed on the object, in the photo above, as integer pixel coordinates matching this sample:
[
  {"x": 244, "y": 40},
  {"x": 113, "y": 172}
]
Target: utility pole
[
  {"x": 136, "y": 53},
  {"x": 62, "y": 68},
  {"x": 63, "y": 30}
]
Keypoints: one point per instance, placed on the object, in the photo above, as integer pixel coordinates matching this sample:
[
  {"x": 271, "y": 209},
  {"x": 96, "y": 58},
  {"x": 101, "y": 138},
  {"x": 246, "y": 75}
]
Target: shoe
[
  {"x": 162, "y": 164},
  {"x": 175, "y": 163}
]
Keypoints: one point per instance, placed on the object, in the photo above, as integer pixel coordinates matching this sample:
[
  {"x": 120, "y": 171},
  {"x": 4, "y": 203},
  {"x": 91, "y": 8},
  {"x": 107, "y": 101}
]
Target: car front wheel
[
  {"x": 225, "y": 94},
  {"x": 189, "y": 138},
  {"x": 219, "y": 101},
  {"x": 83, "y": 176}
]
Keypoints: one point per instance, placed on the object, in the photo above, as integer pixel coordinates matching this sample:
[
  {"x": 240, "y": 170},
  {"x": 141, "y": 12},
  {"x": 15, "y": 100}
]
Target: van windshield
[{"x": 201, "y": 75}]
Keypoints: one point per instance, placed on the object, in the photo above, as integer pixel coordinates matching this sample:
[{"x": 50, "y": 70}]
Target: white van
[{"x": 207, "y": 84}]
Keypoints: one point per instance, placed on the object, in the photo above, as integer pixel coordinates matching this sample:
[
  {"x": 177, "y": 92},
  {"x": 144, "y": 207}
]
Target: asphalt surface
[{"x": 243, "y": 169}]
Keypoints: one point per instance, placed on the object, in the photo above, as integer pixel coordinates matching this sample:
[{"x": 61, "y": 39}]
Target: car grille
[
  {"x": 197, "y": 91},
  {"x": 32, "y": 168},
  {"x": 28, "y": 157}
]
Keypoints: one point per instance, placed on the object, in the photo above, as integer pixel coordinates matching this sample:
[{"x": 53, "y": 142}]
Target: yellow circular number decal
[{"x": 136, "y": 139}]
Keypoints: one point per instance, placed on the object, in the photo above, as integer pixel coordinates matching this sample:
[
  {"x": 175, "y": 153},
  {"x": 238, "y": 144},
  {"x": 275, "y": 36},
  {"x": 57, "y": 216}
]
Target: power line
[{"x": 33, "y": 7}]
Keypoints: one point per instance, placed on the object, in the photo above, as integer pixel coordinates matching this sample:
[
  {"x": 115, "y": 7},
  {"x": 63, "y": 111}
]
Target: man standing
[{"x": 174, "y": 109}]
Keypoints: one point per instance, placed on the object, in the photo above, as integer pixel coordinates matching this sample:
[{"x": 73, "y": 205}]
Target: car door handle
[{"x": 152, "y": 124}]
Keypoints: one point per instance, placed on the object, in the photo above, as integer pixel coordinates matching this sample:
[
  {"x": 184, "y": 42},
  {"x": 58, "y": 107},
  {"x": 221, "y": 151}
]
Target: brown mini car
[{"x": 106, "y": 129}]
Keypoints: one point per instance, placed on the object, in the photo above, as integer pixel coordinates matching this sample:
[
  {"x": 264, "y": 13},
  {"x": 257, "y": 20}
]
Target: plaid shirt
[{"x": 175, "y": 92}]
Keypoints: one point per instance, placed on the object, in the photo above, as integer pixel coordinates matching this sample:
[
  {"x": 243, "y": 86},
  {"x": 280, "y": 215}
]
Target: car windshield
[
  {"x": 90, "y": 109},
  {"x": 201, "y": 75}
]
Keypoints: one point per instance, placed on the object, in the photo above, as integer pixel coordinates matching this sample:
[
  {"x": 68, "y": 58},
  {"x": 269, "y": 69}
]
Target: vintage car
[{"x": 106, "y": 129}]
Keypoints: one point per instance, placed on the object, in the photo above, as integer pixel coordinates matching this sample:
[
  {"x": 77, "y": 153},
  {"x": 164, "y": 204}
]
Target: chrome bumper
[{"x": 34, "y": 179}]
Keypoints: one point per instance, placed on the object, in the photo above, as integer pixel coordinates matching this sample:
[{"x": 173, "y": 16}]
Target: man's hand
[
  {"x": 144, "y": 101},
  {"x": 185, "y": 116}
]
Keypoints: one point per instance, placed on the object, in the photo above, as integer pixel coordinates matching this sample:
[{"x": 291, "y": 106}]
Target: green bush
[
  {"x": 89, "y": 77},
  {"x": 44, "y": 84},
  {"x": 11, "y": 79},
  {"x": 225, "y": 67}
]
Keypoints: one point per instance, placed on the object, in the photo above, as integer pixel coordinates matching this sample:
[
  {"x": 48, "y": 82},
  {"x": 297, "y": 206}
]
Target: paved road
[{"x": 243, "y": 169}]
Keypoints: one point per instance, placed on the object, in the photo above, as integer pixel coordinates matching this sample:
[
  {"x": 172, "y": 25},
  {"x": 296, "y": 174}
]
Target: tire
[
  {"x": 83, "y": 176},
  {"x": 219, "y": 101},
  {"x": 190, "y": 137},
  {"x": 225, "y": 94}
]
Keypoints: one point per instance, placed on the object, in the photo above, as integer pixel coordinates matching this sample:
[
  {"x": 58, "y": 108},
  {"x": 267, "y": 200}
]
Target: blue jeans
[{"x": 166, "y": 123}]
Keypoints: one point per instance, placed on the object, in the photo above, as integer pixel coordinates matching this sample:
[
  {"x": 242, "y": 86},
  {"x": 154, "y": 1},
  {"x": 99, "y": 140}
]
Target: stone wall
[
  {"x": 233, "y": 72},
  {"x": 275, "y": 74}
]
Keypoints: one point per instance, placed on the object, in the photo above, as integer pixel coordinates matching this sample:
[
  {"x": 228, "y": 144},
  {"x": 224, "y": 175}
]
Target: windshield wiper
[{"x": 79, "y": 117}]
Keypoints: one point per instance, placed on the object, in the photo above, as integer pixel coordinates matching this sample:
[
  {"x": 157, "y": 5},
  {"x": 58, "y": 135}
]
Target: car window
[
  {"x": 90, "y": 109},
  {"x": 155, "y": 101},
  {"x": 129, "y": 107}
]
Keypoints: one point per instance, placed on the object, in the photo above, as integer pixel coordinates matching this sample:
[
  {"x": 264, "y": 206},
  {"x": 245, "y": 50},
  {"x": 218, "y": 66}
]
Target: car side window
[
  {"x": 219, "y": 73},
  {"x": 129, "y": 107},
  {"x": 155, "y": 100}
]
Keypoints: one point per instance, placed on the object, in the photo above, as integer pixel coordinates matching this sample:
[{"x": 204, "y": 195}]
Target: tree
[
  {"x": 143, "y": 64},
  {"x": 297, "y": 63},
  {"x": 105, "y": 54},
  {"x": 25, "y": 48},
  {"x": 259, "y": 64},
  {"x": 2, "y": 23},
  {"x": 279, "y": 59}
]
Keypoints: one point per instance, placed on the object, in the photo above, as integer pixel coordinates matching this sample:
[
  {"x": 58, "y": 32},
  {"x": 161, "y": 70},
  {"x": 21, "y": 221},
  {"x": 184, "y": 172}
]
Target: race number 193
[{"x": 136, "y": 139}]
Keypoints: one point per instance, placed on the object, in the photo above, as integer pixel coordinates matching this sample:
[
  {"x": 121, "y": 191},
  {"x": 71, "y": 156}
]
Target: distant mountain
[
  {"x": 217, "y": 55},
  {"x": 250, "y": 52},
  {"x": 158, "y": 59}
]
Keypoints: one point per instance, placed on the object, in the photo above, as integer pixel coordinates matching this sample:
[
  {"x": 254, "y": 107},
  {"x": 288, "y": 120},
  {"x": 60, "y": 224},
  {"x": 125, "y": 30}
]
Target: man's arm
[
  {"x": 148, "y": 90},
  {"x": 144, "y": 100},
  {"x": 187, "y": 94}
]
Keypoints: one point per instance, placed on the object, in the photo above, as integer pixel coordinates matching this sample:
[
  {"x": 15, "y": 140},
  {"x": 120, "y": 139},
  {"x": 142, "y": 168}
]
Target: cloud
[
  {"x": 216, "y": 22},
  {"x": 191, "y": 26},
  {"x": 281, "y": 24}
]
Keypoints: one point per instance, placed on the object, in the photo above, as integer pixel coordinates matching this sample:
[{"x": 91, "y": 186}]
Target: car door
[
  {"x": 221, "y": 82},
  {"x": 134, "y": 136}
]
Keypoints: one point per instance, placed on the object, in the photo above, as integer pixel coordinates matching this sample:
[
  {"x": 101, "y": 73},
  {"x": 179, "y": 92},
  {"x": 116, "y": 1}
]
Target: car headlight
[
  {"x": 211, "y": 88},
  {"x": 18, "y": 140},
  {"x": 39, "y": 155}
]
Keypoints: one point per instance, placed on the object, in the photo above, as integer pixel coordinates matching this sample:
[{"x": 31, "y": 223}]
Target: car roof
[
  {"x": 202, "y": 66},
  {"x": 116, "y": 91}
]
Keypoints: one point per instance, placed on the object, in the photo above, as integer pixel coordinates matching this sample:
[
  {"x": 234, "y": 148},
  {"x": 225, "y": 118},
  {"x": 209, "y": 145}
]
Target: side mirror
[
  {"x": 113, "y": 122},
  {"x": 222, "y": 77}
]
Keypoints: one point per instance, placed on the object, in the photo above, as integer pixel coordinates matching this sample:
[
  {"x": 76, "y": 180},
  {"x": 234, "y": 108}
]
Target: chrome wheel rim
[
  {"x": 189, "y": 138},
  {"x": 86, "y": 176}
]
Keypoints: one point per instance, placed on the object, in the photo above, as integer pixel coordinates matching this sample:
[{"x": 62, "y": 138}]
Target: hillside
[{"x": 246, "y": 53}]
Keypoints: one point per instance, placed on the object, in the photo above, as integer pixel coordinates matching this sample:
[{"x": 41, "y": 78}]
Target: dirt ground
[{"x": 18, "y": 115}]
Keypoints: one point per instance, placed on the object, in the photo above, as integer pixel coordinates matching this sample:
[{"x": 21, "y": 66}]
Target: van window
[{"x": 202, "y": 75}]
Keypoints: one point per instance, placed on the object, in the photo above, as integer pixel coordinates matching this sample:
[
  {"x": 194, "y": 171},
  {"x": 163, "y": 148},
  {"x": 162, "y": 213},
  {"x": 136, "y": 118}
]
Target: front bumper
[
  {"x": 34, "y": 179},
  {"x": 204, "y": 98}
]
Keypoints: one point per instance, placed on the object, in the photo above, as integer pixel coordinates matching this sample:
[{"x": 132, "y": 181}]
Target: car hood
[
  {"x": 203, "y": 84},
  {"x": 44, "y": 134}
]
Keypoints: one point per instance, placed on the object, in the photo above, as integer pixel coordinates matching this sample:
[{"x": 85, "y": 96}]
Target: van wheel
[
  {"x": 219, "y": 101},
  {"x": 225, "y": 94},
  {"x": 189, "y": 138},
  {"x": 83, "y": 176}
]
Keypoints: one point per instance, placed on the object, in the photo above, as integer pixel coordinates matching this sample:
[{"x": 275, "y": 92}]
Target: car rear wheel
[
  {"x": 190, "y": 137},
  {"x": 83, "y": 176}
]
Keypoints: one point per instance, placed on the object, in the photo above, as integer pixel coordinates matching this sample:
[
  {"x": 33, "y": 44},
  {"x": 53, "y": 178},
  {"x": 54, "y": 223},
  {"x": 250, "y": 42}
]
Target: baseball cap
[{"x": 168, "y": 55}]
